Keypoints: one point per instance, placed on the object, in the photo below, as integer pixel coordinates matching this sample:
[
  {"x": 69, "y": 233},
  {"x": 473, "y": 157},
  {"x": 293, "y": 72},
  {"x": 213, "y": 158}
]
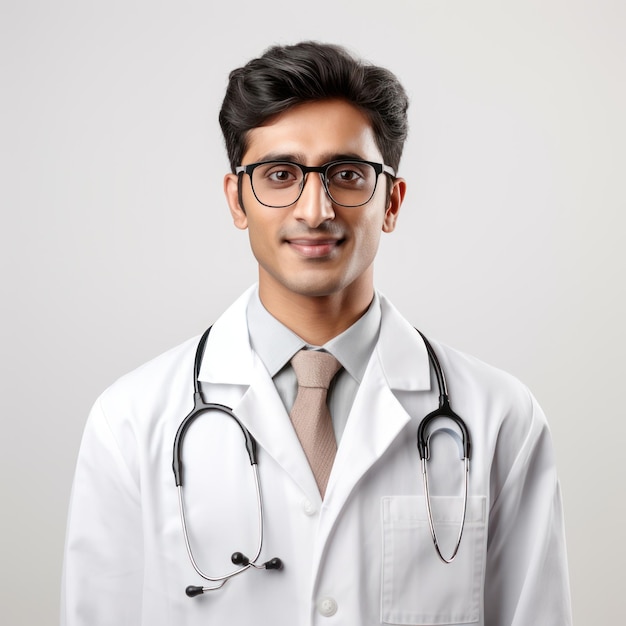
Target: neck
[{"x": 317, "y": 318}]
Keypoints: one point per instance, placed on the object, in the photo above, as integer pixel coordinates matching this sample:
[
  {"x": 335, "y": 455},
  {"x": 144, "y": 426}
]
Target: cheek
[
  {"x": 262, "y": 233},
  {"x": 367, "y": 235},
  {"x": 256, "y": 235}
]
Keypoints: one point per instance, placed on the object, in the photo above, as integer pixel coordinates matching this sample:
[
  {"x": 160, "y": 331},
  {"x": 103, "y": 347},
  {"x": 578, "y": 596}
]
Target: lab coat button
[
  {"x": 327, "y": 607},
  {"x": 308, "y": 507}
]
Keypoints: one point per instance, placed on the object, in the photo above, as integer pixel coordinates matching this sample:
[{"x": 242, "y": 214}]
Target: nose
[{"x": 314, "y": 206}]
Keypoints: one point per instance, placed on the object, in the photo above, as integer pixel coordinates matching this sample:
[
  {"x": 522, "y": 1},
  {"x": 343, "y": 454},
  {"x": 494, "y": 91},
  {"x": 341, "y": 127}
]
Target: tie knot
[{"x": 314, "y": 368}]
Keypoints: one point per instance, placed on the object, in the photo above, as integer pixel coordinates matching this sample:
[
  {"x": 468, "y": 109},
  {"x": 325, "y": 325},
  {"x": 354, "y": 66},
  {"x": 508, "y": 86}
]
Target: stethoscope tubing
[
  {"x": 431, "y": 522},
  {"x": 200, "y": 407},
  {"x": 222, "y": 580},
  {"x": 423, "y": 445}
]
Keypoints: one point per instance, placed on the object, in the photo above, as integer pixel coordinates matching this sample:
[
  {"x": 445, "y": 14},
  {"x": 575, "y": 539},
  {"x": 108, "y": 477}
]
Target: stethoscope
[{"x": 239, "y": 559}]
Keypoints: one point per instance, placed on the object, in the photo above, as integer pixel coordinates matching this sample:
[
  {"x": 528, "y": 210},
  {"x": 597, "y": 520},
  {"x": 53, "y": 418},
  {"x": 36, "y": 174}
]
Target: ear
[
  {"x": 396, "y": 197},
  {"x": 231, "y": 191}
]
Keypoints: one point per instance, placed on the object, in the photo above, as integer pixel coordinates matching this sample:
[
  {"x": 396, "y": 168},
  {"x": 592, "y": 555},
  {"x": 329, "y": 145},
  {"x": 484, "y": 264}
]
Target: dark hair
[{"x": 289, "y": 75}]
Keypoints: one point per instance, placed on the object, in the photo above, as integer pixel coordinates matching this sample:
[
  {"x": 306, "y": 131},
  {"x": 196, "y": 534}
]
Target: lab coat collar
[
  {"x": 228, "y": 358},
  {"x": 402, "y": 353}
]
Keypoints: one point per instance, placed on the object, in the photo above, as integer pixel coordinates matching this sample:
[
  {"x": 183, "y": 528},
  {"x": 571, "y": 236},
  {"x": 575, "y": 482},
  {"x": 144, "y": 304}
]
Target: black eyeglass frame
[{"x": 379, "y": 168}]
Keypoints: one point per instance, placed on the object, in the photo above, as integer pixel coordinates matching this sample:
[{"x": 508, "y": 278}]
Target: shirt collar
[{"x": 275, "y": 344}]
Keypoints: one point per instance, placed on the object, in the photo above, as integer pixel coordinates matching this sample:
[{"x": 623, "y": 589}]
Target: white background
[{"x": 116, "y": 242}]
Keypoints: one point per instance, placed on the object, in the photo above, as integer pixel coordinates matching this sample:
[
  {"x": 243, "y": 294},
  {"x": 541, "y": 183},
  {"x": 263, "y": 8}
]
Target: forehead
[{"x": 314, "y": 133}]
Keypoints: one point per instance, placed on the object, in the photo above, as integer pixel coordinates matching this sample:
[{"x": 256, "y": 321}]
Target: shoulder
[
  {"x": 159, "y": 369},
  {"x": 469, "y": 371},
  {"x": 508, "y": 423},
  {"x": 474, "y": 386},
  {"x": 508, "y": 427},
  {"x": 171, "y": 373},
  {"x": 153, "y": 384}
]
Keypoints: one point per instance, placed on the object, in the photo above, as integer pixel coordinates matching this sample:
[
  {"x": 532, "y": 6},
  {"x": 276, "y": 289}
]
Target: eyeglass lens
[{"x": 348, "y": 183}]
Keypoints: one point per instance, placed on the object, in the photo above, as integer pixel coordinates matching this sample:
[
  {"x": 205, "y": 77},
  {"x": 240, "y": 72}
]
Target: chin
[
  {"x": 316, "y": 291},
  {"x": 315, "y": 288}
]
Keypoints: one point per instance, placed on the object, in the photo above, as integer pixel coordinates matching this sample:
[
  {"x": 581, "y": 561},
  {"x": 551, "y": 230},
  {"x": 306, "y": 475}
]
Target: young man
[{"x": 348, "y": 533}]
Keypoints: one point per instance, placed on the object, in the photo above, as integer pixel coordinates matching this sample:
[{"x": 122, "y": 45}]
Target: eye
[
  {"x": 280, "y": 174},
  {"x": 349, "y": 174}
]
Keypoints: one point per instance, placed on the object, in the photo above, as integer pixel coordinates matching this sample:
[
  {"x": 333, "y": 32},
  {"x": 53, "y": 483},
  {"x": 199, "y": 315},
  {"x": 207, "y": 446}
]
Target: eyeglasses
[{"x": 348, "y": 183}]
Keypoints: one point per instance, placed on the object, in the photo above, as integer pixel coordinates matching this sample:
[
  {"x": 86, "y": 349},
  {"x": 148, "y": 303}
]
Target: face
[{"x": 314, "y": 248}]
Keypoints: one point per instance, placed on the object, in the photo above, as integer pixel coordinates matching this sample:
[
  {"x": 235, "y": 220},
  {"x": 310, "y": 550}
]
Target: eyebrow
[{"x": 301, "y": 158}]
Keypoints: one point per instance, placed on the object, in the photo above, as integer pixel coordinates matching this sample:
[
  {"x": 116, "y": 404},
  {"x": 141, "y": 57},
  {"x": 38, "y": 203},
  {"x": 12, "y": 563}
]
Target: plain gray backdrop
[{"x": 117, "y": 244}]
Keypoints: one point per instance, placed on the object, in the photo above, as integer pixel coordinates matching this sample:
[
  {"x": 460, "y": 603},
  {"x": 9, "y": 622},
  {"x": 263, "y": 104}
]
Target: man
[{"x": 314, "y": 139}]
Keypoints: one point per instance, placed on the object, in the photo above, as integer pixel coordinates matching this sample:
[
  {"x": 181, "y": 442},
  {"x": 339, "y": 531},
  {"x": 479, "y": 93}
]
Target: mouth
[{"x": 314, "y": 248}]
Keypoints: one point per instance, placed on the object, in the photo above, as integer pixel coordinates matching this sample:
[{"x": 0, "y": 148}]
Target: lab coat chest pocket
[{"x": 417, "y": 586}]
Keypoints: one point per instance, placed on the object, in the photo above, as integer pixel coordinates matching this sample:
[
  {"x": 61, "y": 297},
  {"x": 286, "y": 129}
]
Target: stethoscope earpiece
[
  {"x": 192, "y": 591},
  {"x": 241, "y": 559}
]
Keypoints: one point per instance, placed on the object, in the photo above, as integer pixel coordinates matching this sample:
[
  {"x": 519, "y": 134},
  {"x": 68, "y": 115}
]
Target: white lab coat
[{"x": 362, "y": 556}]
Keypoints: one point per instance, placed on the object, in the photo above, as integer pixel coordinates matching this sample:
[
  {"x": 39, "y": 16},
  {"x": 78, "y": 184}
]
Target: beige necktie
[{"x": 310, "y": 416}]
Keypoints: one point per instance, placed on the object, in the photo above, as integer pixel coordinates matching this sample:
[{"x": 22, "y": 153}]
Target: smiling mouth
[{"x": 314, "y": 248}]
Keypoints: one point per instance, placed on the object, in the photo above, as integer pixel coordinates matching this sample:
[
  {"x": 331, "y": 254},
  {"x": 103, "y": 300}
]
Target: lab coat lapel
[
  {"x": 375, "y": 420},
  {"x": 232, "y": 374},
  {"x": 264, "y": 414},
  {"x": 399, "y": 363}
]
